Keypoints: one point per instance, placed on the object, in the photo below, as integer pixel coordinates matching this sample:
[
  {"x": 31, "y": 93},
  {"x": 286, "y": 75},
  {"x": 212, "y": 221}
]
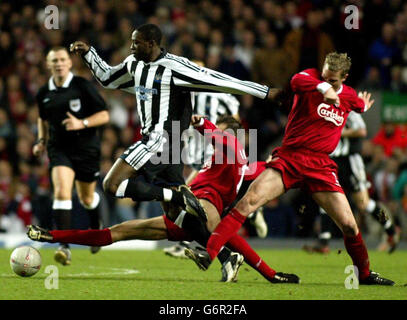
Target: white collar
[
  {"x": 51, "y": 84},
  {"x": 340, "y": 89}
]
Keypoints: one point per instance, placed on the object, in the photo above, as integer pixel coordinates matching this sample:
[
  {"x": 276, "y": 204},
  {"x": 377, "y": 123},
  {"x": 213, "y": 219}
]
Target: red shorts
[
  {"x": 175, "y": 233},
  {"x": 305, "y": 169},
  {"x": 210, "y": 194}
]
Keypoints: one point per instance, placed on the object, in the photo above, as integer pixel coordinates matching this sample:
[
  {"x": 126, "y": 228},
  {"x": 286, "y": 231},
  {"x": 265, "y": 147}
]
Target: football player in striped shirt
[{"x": 162, "y": 83}]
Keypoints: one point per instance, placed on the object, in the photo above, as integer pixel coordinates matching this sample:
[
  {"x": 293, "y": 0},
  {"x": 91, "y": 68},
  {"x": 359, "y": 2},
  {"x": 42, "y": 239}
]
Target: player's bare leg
[
  {"x": 337, "y": 207},
  {"x": 142, "y": 229},
  {"x": 123, "y": 181},
  {"x": 267, "y": 186},
  {"x": 90, "y": 200},
  {"x": 62, "y": 180},
  {"x": 212, "y": 213},
  {"x": 120, "y": 171},
  {"x": 232, "y": 256},
  {"x": 231, "y": 261}
]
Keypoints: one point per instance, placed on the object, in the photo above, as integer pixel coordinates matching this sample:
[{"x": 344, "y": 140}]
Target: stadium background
[{"x": 263, "y": 41}]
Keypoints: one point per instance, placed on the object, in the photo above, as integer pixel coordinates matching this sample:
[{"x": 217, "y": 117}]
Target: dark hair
[
  {"x": 150, "y": 32},
  {"x": 231, "y": 123}
]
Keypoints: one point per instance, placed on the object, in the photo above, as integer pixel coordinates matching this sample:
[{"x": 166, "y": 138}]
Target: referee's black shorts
[
  {"x": 85, "y": 163},
  {"x": 351, "y": 173}
]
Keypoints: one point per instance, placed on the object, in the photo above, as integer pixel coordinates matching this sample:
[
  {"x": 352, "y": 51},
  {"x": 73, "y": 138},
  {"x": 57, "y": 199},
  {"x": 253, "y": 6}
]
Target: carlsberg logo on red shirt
[{"x": 329, "y": 114}]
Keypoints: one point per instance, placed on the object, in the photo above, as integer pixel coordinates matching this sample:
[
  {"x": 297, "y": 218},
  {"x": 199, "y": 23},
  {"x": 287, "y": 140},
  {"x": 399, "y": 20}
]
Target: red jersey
[
  {"x": 225, "y": 170},
  {"x": 312, "y": 123}
]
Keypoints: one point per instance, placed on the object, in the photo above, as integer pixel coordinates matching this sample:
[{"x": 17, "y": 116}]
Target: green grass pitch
[{"x": 150, "y": 275}]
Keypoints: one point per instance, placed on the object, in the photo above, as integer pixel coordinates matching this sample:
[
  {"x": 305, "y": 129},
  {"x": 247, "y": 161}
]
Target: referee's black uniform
[
  {"x": 163, "y": 91},
  {"x": 79, "y": 150}
]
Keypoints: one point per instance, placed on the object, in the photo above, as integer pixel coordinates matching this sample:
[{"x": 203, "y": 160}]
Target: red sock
[
  {"x": 237, "y": 243},
  {"x": 357, "y": 250},
  {"x": 224, "y": 231},
  {"x": 85, "y": 237}
]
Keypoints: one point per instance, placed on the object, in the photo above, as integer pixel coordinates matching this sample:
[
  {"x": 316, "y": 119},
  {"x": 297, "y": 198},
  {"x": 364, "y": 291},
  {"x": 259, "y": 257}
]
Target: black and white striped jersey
[
  {"x": 163, "y": 87},
  {"x": 212, "y": 105},
  {"x": 347, "y": 146}
]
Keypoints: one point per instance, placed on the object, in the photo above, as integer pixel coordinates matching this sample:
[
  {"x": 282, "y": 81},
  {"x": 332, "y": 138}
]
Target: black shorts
[
  {"x": 85, "y": 164},
  {"x": 163, "y": 175},
  {"x": 143, "y": 157},
  {"x": 351, "y": 173}
]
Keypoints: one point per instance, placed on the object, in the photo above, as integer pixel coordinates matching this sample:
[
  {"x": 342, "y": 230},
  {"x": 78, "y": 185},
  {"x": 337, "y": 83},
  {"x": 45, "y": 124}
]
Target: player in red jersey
[
  {"x": 216, "y": 186},
  {"x": 321, "y": 105}
]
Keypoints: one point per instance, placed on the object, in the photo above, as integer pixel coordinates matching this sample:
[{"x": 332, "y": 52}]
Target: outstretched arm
[
  {"x": 116, "y": 77},
  {"x": 193, "y": 77}
]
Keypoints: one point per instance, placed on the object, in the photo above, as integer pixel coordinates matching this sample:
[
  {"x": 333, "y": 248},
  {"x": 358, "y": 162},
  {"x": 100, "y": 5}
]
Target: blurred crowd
[{"x": 266, "y": 41}]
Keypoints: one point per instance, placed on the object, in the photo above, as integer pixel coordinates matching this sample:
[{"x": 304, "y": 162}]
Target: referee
[
  {"x": 70, "y": 110},
  {"x": 162, "y": 83}
]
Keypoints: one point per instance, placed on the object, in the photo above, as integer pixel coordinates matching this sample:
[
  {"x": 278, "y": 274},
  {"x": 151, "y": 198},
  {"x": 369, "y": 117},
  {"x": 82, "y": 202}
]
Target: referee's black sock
[
  {"x": 93, "y": 211},
  {"x": 62, "y": 219},
  {"x": 94, "y": 218},
  {"x": 62, "y": 215}
]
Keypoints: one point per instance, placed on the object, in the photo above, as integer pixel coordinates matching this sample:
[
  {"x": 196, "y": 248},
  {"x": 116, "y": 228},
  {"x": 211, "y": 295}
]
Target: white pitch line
[{"x": 115, "y": 272}]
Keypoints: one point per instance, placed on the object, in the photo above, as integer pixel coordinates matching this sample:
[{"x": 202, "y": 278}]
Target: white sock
[
  {"x": 371, "y": 206},
  {"x": 180, "y": 219},
  {"x": 121, "y": 189},
  {"x": 167, "y": 194},
  {"x": 388, "y": 224},
  {"x": 62, "y": 204}
]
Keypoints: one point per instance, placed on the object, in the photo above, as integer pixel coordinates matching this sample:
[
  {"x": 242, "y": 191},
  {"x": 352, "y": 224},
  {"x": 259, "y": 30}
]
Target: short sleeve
[
  {"x": 38, "y": 99},
  {"x": 93, "y": 98},
  {"x": 356, "y": 103}
]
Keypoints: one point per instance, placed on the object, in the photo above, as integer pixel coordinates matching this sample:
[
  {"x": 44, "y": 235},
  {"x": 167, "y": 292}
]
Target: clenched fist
[{"x": 79, "y": 47}]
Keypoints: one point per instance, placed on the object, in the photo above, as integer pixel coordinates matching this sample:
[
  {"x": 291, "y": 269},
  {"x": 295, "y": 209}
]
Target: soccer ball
[{"x": 25, "y": 261}]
